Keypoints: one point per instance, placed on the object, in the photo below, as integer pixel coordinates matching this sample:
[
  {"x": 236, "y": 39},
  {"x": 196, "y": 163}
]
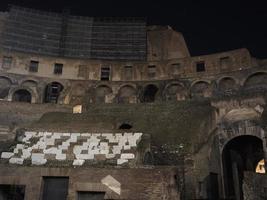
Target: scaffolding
[{"x": 33, "y": 31}]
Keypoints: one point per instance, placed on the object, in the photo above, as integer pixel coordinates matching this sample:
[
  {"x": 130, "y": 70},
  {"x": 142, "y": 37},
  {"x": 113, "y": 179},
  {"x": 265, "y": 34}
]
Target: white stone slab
[
  {"x": 77, "y": 149},
  {"x": 42, "y": 145},
  {"x": 26, "y": 154},
  {"x": 112, "y": 184},
  {"x": 121, "y": 161},
  {"x": 47, "y": 134},
  {"x": 104, "y": 152},
  {"x": 116, "y": 149},
  {"x": 86, "y": 134},
  {"x": 20, "y": 146},
  {"x": 96, "y": 134},
  {"x": 38, "y": 159},
  {"x": 61, "y": 157},
  {"x": 127, "y": 156},
  {"x": 85, "y": 156},
  {"x": 7, "y": 155},
  {"x": 16, "y": 150},
  {"x": 50, "y": 142},
  {"x": 40, "y": 134},
  {"x": 78, "y": 162},
  {"x": 66, "y": 134},
  {"x": 52, "y": 150},
  {"x": 110, "y": 156},
  {"x": 18, "y": 161},
  {"x": 127, "y": 147}
]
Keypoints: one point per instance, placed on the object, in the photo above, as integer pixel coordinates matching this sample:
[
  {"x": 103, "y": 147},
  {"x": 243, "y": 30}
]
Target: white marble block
[{"x": 7, "y": 155}]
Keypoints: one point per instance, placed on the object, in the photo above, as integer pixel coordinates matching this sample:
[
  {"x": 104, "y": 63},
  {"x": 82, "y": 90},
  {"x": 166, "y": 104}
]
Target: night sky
[{"x": 208, "y": 26}]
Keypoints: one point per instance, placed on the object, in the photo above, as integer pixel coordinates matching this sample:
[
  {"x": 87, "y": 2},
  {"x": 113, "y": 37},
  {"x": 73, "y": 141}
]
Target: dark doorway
[
  {"x": 52, "y": 92},
  {"x": 55, "y": 188},
  {"x": 150, "y": 93},
  {"x": 22, "y": 96},
  {"x": 12, "y": 192},
  {"x": 125, "y": 126},
  {"x": 240, "y": 154},
  {"x": 91, "y": 195}
]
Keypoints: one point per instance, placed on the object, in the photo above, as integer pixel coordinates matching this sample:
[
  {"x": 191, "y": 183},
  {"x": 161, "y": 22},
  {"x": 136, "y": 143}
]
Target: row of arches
[
  {"x": 27, "y": 91},
  {"x": 129, "y": 93}
]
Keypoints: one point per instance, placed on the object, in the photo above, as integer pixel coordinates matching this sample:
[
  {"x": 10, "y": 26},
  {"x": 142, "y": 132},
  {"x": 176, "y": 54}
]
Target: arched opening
[
  {"x": 101, "y": 94},
  {"x": 257, "y": 80},
  {"x": 52, "y": 92},
  {"x": 29, "y": 83},
  {"x": 227, "y": 85},
  {"x": 200, "y": 89},
  {"x": 175, "y": 92},
  {"x": 125, "y": 126},
  {"x": 240, "y": 154},
  {"x": 150, "y": 93},
  {"x": 127, "y": 94},
  {"x": 22, "y": 96},
  {"x": 5, "y": 84}
]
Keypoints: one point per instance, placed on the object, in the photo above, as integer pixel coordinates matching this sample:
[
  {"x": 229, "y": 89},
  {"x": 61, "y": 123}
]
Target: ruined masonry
[{"x": 111, "y": 108}]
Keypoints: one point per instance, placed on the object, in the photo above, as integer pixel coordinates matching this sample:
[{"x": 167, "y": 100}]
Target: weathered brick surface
[{"x": 136, "y": 184}]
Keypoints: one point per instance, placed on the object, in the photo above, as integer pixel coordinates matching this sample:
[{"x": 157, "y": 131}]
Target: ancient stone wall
[{"x": 122, "y": 183}]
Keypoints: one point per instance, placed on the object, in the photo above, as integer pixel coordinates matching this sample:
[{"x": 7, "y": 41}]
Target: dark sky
[{"x": 208, "y": 26}]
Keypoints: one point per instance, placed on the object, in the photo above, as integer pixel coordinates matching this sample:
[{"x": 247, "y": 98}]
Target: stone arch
[
  {"x": 127, "y": 94},
  {"x": 29, "y": 83},
  {"x": 125, "y": 126},
  {"x": 103, "y": 94},
  {"x": 149, "y": 94},
  {"x": 52, "y": 92},
  {"x": 241, "y": 114},
  {"x": 200, "y": 89},
  {"x": 5, "y": 84},
  {"x": 242, "y": 153},
  {"x": 227, "y": 85},
  {"x": 257, "y": 80},
  {"x": 175, "y": 91},
  {"x": 22, "y": 95}
]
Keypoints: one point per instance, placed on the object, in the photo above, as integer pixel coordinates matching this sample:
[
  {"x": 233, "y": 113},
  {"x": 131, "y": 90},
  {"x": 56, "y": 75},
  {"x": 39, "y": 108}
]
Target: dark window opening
[
  {"x": 58, "y": 68},
  {"x": 200, "y": 66},
  {"x": 150, "y": 93},
  {"x": 22, "y": 96},
  {"x": 7, "y": 62},
  {"x": 55, "y": 188},
  {"x": 52, "y": 92},
  {"x": 125, "y": 126},
  {"x": 105, "y": 74},
  {"x": 12, "y": 192},
  {"x": 33, "y": 66},
  {"x": 91, "y": 195},
  {"x": 151, "y": 71},
  {"x": 128, "y": 72}
]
